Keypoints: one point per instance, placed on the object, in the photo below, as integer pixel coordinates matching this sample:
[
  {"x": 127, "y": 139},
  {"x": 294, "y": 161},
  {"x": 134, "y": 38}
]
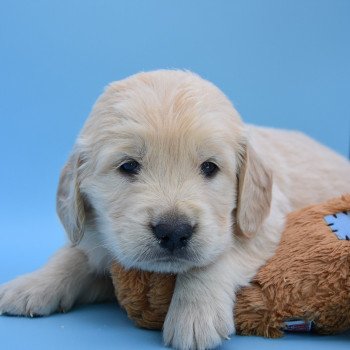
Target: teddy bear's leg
[
  {"x": 255, "y": 314},
  {"x": 65, "y": 280}
]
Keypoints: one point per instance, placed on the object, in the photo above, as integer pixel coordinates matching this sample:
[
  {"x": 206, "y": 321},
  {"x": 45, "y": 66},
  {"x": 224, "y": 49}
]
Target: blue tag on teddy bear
[{"x": 339, "y": 224}]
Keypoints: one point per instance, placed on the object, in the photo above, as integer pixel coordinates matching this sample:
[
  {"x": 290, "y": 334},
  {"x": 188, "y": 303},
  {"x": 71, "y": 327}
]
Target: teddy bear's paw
[
  {"x": 32, "y": 296},
  {"x": 198, "y": 325}
]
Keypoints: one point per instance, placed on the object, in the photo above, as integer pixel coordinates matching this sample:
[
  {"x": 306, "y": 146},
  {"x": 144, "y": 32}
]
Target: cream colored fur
[{"x": 171, "y": 122}]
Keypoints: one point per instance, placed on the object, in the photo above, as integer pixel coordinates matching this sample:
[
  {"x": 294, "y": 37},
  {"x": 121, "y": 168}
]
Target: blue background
[{"x": 283, "y": 63}]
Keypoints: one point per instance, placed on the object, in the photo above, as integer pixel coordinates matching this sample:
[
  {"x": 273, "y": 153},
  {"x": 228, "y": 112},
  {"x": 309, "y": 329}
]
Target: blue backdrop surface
[{"x": 282, "y": 63}]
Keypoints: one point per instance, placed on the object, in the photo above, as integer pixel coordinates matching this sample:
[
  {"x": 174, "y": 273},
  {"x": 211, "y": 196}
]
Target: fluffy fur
[{"x": 171, "y": 122}]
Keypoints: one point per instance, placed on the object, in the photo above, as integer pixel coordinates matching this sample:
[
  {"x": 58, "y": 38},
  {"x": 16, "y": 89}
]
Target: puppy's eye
[
  {"x": 209, "y": 169},
  {"x": 131, "y": 167}
]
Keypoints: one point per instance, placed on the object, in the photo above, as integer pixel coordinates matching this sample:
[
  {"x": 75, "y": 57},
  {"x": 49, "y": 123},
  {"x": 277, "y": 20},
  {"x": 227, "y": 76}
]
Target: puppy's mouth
[
  {"x": 172, "y": 262},
  {"x": 176, "y": 256},
  {"x": 170, "y": 259}
]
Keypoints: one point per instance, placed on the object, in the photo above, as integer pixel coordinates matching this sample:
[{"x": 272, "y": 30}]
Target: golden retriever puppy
[{"x": 166, "y": 177}]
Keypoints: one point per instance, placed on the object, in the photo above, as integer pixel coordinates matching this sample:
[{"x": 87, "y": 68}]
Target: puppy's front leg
[
  {"x": 201, "y": 311},
  {"x": 66, "y": 279}
]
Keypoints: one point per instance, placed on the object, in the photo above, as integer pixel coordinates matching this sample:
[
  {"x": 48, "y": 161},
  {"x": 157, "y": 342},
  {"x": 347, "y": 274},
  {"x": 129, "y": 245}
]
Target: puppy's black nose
[{"x": 173, "y": 233}]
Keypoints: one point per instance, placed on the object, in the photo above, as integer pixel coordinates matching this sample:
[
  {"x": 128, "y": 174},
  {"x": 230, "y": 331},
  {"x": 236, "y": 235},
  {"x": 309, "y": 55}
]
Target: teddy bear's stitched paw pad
[
  {"x": 197, "y": 325},
  {"x": 339, "y": 223},
  {"x": 31, "y": 296}
]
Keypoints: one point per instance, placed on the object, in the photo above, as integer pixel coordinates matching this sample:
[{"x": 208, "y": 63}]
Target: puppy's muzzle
[{"x": 173, "y": 232}]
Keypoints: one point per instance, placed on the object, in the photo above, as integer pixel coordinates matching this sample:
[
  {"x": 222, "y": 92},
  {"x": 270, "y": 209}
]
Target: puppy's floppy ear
[
  {"x": 69, "y": 201},
  {"x": 254, "y": 193}
]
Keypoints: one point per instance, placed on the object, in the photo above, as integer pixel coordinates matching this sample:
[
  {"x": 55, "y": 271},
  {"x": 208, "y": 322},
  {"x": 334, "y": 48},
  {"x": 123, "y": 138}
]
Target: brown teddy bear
[{"x": 306, "y": 285}]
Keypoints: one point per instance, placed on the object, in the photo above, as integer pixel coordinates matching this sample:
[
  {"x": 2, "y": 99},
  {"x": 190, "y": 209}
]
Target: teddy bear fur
[{"x": 308, "y": 278}]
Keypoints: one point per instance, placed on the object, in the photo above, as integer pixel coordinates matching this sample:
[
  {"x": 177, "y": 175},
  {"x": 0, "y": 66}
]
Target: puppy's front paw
[
  {"x": 31, "y": 295},
  {"x": 198, "y": 324}
]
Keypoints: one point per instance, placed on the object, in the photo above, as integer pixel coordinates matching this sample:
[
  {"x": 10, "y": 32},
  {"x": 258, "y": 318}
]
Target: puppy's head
[{"x": 161, "y": 171}]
